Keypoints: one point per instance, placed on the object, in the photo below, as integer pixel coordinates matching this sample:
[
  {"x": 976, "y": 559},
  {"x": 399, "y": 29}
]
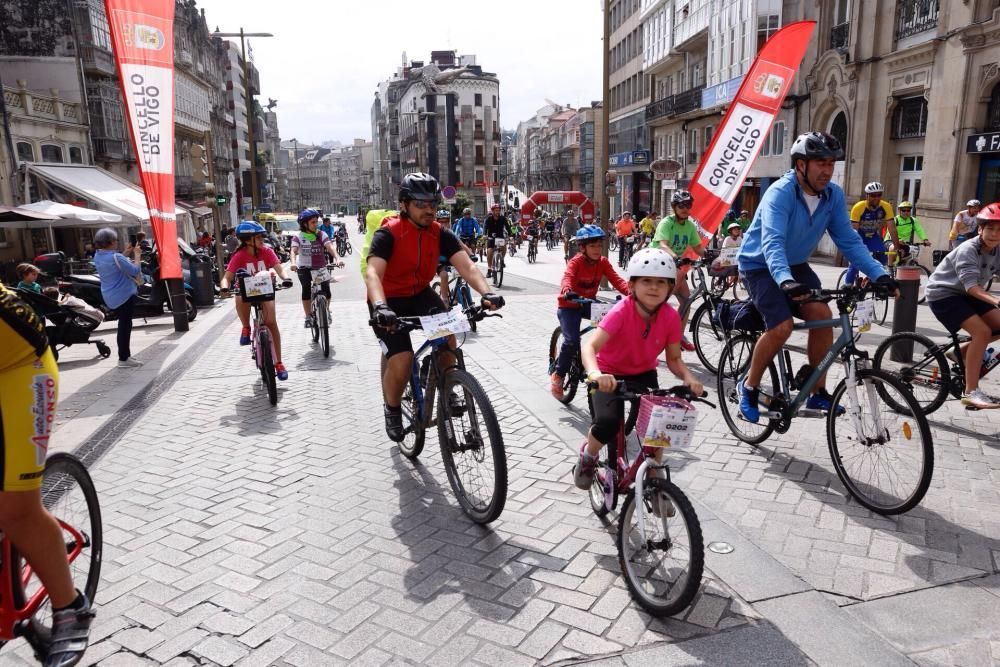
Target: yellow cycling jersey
[
  {"x": 22, "y": 331},
  {"x": 871, "y": 220}
]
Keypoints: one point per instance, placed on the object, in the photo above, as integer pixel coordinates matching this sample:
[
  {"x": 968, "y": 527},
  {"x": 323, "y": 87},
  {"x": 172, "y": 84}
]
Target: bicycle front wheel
[
  {"x": 707, "y": 337},
  {"x": 471, "y": 446},
  {"x": 920, "y": 365},
  {"x": 571, "y": 380},
  {"x": 733, "y": 366},
  {"x": 323, "y": 324},
  {"x": 884, "y": 457},
  {"x": 663, "y": 572},
  {"x": 68, "y": 493},
  {"x": 267, "y": 367}
]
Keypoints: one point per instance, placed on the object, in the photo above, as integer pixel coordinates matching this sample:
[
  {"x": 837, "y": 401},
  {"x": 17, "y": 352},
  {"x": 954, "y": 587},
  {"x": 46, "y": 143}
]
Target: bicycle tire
[
  {"x": 63, "y": 474},
  {"x": 913, "y": 417},
  {"x": 733, "y": 364},
  {"x": 571, "y": 381},
  {"x": 410, "y": 447},
  {"x": 324, "y": 329},
  {"x": 926, "y": 372},
  {"x": 708, "y": 338},
  {"x": 465, "y": 294},
  {"x": 349, "y": 247},
  {"x": 634, "y": 556},
  {"x": 613, "y": 242},
  {"x": 481, "y": 509},
  {"x": 318, "y": 301},
  {"x": 267, "y": 367}
]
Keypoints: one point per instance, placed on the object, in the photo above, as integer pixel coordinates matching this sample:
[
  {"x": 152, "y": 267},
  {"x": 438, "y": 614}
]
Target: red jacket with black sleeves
[
  {"x": 414, "y": 262},
  {"x": 583, "y": 276}
]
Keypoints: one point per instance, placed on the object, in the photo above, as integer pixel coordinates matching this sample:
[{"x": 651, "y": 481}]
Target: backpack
[{"x": 738, "y": 316}]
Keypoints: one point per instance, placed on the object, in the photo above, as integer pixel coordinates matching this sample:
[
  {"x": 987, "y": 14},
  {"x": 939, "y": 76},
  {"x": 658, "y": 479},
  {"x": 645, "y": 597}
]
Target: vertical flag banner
[
  {"x": 735, "y": 146},
  {"x": 142, "y": 33}
]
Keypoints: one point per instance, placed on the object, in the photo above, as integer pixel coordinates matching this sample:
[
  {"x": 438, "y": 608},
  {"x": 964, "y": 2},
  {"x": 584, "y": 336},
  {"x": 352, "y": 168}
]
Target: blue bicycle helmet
[
  {"x": 589, "y": 233},
  {"x": 248, "y": 229},
  {"x": 306, "y": 215}
]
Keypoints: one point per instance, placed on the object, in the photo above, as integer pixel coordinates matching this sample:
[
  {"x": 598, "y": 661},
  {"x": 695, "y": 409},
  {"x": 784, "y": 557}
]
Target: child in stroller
[{"x": 69, "y": 323}]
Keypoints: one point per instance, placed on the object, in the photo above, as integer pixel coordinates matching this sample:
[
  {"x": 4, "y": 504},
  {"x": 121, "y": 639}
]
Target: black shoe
[
  {"x": 70, "y": 635},
  {"x": 394, "y": 423}
]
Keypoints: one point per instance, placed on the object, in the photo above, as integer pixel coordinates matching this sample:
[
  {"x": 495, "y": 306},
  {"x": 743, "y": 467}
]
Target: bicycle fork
[{"x": 854, "y": 407}]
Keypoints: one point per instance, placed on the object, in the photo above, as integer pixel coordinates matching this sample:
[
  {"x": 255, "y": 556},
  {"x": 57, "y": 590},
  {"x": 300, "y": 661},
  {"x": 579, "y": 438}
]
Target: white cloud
[{"x": 326, "y": 58}]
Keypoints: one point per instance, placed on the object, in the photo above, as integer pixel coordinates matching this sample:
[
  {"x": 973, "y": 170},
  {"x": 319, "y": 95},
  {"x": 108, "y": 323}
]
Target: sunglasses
[
  {"x": 682, "y": 205},
  {"x": 423, "y": 205}
]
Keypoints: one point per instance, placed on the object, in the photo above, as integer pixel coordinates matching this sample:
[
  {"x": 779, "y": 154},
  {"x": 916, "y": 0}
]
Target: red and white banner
[
  {"x": 748, "y": 120},
  {"x": 142, "y": 33}
]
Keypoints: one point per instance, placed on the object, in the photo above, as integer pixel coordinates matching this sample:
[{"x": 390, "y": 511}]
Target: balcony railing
[
  {"x": 96, "y": 59},
  {"x": 110, "y": 149},
  {"x": 689, "y": 100},
  {"x": 916, "y": 16},
  {"x": 691, "y": 19},
  {"x": 479, "y": 135},
  {"x": 840, "y": 36},
  {"x": 661, "y": 107}
]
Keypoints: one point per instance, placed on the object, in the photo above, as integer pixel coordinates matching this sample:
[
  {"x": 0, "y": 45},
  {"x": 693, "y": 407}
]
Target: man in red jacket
[
  {"x": 402, "y": 262},
  {"x": 582, "y": 279}
]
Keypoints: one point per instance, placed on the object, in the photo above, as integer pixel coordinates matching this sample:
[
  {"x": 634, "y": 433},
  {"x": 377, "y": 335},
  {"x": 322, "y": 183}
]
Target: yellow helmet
[{"x": 905, "y": 204}]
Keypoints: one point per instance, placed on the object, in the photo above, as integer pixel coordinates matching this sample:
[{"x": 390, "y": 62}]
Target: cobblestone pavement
[{"x": 238, "y": 533}]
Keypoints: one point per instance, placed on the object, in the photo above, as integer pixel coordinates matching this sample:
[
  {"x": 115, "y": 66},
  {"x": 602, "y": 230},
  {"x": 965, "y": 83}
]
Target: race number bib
[
  {"x": 320, "y": 276},
  {"x": 598, "y": 311},
  {"x": 863, "y": 315},
  {"x": 727, "y": 257},
  {"x": 442, "y": 325},
  {"x": 259, "y": 284},
  {"x": 500, "y": 242},
  {"x": 670, "y": 426}
]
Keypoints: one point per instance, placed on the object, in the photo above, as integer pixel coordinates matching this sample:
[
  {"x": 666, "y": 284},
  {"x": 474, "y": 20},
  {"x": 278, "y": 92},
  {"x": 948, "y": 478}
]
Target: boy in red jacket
[{"x": 582, "y": 279}]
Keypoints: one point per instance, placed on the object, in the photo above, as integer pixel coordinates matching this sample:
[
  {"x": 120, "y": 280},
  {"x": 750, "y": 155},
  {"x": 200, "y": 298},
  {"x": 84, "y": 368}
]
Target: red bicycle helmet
[{"x": 989, "y": 213}]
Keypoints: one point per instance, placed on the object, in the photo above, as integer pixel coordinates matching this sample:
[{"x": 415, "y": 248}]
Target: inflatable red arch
[{"x": 577, "y": 199}]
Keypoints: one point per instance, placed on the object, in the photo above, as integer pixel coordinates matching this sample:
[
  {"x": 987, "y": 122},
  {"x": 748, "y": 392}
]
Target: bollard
[{"x": 904, "y": 314}]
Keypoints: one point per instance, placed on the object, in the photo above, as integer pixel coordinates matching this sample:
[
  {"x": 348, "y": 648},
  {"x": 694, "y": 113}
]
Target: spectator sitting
[{"x": 27, "y": 276}]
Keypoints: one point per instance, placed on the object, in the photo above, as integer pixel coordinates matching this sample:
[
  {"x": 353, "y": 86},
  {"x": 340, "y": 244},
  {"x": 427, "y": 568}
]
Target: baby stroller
[{"x": 65, "y": 326}]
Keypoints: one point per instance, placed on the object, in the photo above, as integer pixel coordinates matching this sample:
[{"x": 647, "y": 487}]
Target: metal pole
[
  {"x": 605, "y": 105},
  {"x": 216, "y": 215},
  {"x": 250, "y": 118}
]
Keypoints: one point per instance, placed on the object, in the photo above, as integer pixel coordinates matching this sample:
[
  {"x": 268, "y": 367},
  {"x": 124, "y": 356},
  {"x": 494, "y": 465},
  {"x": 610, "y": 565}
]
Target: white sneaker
[
  {"x": 979, "y": 399},
  {"x": 129, "y": 363}
]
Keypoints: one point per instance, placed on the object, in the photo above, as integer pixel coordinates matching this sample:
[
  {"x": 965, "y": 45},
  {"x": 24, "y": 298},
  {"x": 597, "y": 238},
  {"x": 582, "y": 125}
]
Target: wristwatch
[
  {"x": 378, "y": 303},
  {"x": 593, "y": 375}
]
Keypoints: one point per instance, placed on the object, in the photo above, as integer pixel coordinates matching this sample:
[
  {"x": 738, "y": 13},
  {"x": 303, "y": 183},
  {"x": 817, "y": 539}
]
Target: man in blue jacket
[
  {"x": 467, "y": 228},
  {"x": 793, "y": 215}
]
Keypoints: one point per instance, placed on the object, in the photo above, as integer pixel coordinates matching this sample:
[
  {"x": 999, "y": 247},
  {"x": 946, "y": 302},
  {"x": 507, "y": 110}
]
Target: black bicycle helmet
[
  {"x": 419, "y": 186},
  {"x": 816, "y": 146}
]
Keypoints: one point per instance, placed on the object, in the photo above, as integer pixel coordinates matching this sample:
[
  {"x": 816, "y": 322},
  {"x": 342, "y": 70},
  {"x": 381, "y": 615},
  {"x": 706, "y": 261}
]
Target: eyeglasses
[
  {"x": 423, "y": 205},
  {"x": 682, "y": 205}
]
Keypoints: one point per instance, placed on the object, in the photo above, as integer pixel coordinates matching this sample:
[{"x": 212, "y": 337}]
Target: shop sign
[{"x": 983, "y": 143}]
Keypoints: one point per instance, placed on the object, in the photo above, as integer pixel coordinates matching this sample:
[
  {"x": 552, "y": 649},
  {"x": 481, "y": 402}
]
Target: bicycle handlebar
[
  {"x": 408, "y": 323},
  {"x": 583, "y": 301},
  {"x": 679, "y": 391}
]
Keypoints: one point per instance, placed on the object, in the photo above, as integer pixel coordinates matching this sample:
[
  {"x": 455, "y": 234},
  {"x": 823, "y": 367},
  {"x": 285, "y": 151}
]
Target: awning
[
  {"x": 12, "y": 217},
  {"x": 100, "y": 186},
  {"x": 73, "y": 216}
]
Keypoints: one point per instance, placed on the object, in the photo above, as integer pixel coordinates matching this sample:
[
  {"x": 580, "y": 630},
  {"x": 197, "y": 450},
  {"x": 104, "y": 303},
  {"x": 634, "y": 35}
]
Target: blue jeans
[
  {"x": 877, "y": 247},
  {"x": 569, "y": 320}
]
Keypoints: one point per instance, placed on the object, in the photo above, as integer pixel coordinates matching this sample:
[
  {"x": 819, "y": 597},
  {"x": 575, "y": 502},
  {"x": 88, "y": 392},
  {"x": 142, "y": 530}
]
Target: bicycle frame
[{"x": 432, "y": 347}]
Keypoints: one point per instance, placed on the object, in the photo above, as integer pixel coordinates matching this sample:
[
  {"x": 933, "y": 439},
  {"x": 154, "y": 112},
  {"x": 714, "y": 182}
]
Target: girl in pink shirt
[{"x": 638, "y": 329}]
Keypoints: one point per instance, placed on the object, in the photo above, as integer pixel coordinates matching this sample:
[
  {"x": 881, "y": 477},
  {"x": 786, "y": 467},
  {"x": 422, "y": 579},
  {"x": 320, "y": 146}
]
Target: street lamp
[{"x": 250, "y": 117}]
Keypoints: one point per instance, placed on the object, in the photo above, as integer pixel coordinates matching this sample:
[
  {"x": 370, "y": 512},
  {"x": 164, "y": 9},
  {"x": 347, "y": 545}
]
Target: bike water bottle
[{"x": 990, "y": 359}]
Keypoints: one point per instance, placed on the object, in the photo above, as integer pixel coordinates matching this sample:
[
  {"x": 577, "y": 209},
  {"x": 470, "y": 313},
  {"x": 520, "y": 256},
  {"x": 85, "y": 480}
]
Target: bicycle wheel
[
  {"x": 663, "y": 572},
  {"x": 613, "y": 242},
  {"x": 881, "y": 311},
  {"x": 465, "y": 298},
  {"x": 920, "y": 365},
  {"x": 733, "y": 365},
  {"x": 414, "y": 430},
  {"x": 708, "y": 338},
  {"x": 571, "y": 380},
  {"x": 323, "y": 324},
  {"x": 471, "y": 446},
  {"x": 68, "y": 493},
  {"x": 497, "y": 269},
  {"x": 350, "y": 249},
  {"x": 267, "y": 367},
  {"x": 318, "y": 303},
  {"x": 875, "y": 453}
]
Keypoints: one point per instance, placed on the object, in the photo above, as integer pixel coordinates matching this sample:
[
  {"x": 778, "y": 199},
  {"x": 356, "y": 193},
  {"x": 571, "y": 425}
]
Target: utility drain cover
[{"x": 720, "y": 547}]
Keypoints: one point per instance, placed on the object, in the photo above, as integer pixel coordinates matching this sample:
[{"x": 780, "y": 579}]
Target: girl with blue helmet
[{"x": 253, "y": 257}]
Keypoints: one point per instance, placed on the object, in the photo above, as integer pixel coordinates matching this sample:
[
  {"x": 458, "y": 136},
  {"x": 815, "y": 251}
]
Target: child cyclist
[
  {"x": 253, "y": 257},
  {"x": 309, "y": 249},
  {"x": 957, "y": 296},
  {"x": 626, "y": 345},
  {"x": 582, "y": 278}
]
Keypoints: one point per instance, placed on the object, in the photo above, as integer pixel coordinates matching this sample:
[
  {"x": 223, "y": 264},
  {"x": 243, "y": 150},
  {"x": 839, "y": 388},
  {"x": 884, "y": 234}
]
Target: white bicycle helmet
[
  {"x": 974, "y": 202},
  {"x": 874, "y": 188},
  {"x": 651, "y": 263}
]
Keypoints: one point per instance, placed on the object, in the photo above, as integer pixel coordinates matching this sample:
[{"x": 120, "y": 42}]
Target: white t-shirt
[
  {"x": 966, "y": 223},
  {"x": 812, "y": 201}
]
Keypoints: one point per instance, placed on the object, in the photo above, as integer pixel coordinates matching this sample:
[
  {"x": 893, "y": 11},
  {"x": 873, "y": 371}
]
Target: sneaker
[
  {"x": 279, "y": 370},
  {"x": 686, "y": 345},
  {"x": 394, "y": 423},
  {"x": 821, "y": 401},
  {"x": 583, "y": 471},
  {"x": 70, "y": 635},
  {"x": 489, "y": 273},
  {"x": 129, "y": 363},
  {"x": 557, "y": 386},
  {"x": 309, "y": 323},
  {"x": 660, "y": 504},
  {"x": 245, "y": 336},
  {"x": 748, "y": 402},
  {"x": 979, "y": 399}
]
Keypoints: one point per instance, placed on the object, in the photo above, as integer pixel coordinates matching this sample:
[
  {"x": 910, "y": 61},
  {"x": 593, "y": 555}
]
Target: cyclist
[
  {"x": 744, "y": 220},
  {"x": 253, "y": 257},
  {"x": 29, "y": 387},
  {"x": 326, "y": 227},
  {"x": 964, "y": 225},
  {"x": 549, "y": 225},
  {"x": 467, "y": 228},
  {"x": 909, "y": 229},
  {"x": 444, "y": 268},
  {"x": 495, "y": 226},
  {"x": 402, "y": 261},
  {"x": 675, "y": 234},
  {"x": 651, "y": 328},
  {"x": 312, "y": 245},
  {"x": 582, "y": 278},
  {"x": 646, "y": 227},
  {"x": 956, "y": 296},
  {"x": 532, "y": 233},
  {"x": 792, "y": 216},
  {"x": 624, "y": 228},
  {"x": 869, "y": 216},
  {"x": 570, "y": 226},
  {"x": 734, "y": 236}
]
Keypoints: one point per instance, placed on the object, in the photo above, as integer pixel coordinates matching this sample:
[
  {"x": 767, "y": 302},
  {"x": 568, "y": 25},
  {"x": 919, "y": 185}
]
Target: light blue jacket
[
  {"x": 783, "y": 234},
  {"x": 116, "y": 277}
]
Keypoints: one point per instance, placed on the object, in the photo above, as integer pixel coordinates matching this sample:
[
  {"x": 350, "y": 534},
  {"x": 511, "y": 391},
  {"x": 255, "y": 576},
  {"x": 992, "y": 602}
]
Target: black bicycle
[
  {"x": 472, "y": 448},
  {"x": 575, "y": 375}
]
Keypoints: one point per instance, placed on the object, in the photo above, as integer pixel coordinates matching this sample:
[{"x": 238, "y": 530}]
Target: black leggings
[
  {"x": 305, "y": 279},
  {"x": 609, "y": 411}
]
